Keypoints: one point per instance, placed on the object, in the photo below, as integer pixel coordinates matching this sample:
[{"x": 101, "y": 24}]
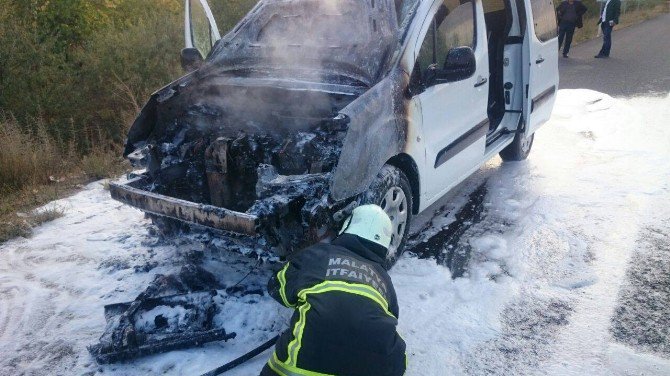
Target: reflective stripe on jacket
[{"x": 346, "y": 313}]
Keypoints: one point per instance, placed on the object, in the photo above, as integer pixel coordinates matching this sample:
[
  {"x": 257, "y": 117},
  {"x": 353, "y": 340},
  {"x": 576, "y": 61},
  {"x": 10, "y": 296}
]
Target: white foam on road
[
  {"x": 540, "y": 297},
  {"x": 631, "y": 362},
  {"x": 547, "y": 261}
]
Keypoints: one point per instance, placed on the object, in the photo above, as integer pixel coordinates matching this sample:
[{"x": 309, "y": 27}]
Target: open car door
[
  {"x": 540, "y": 52},
  {"x": 200, "y": 29},
  {"x": 200, "y": 33}
]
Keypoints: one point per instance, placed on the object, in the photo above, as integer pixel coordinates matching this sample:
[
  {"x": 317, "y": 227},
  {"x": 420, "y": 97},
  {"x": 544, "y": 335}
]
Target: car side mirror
[
  {"x": 459, "y": 65},
  {"x": 422, "y": 80},
  {"x": 191, "y": 59}
]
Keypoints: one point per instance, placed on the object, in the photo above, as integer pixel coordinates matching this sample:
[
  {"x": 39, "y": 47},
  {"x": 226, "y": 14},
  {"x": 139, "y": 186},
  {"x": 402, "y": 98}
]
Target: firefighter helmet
[{"x": 369, "y": 222}]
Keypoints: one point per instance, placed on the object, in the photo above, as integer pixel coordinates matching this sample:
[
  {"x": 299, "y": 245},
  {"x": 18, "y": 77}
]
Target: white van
[{"x": 308, "y": 108}]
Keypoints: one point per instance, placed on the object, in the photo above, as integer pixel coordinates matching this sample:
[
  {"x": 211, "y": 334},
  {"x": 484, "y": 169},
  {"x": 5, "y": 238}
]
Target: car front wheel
[{"x": 392, "y": 192}]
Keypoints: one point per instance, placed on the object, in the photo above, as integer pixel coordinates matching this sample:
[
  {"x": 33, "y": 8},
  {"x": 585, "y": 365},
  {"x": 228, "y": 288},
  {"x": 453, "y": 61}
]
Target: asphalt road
[
  {"x": 639, "y": 66},
  {"x": 639, "y": 62}
]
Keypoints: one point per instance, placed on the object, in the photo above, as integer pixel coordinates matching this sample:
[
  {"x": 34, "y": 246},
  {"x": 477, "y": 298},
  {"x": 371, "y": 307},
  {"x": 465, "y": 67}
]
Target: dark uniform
[
  {"x": 346, "y": 312},
  {"x": 609, "y": 14}
]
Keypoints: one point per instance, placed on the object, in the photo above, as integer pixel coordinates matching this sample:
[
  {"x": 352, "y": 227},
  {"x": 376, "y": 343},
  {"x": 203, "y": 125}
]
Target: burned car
[{"x": 308, "y": 108}]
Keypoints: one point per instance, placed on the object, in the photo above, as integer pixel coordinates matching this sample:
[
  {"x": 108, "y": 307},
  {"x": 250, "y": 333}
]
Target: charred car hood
[
  {"x": 348, "y": 37},
  {"x": 212, "y": 103}
]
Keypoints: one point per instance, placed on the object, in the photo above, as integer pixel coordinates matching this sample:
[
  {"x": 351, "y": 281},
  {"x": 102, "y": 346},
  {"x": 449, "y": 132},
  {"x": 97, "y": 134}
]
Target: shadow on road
[{"x": 446, "y": 245}]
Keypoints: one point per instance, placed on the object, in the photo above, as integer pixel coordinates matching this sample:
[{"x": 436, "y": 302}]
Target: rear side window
[{"x": 544, "y": 18}]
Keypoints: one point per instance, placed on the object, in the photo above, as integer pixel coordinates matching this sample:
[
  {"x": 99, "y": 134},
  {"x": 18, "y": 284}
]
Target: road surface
[
  {"x": 639, "y": 66},
  {"x": 639, "y": 62}
]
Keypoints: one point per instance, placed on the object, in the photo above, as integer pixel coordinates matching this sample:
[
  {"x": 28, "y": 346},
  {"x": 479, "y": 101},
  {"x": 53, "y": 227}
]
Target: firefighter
[{"x": 346, "y": 310}]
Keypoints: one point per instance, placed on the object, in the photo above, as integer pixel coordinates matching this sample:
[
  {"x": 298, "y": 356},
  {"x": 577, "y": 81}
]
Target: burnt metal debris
[{"x": 176, "y": 311}]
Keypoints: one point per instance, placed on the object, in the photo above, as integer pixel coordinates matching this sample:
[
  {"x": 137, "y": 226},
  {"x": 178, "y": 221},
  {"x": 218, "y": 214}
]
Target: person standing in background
[
  {"x": 569, "y": 14},
  {"x": 608, "y": 18}
]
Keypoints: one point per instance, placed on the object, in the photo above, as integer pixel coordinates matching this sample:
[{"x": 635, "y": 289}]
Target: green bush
[
  {"x": 83, "y": 69},
  {"x": 83, "y": 66},
  {"x": 228, "y": 12}
]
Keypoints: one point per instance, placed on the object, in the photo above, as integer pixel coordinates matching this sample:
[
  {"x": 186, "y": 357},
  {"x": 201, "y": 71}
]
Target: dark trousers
[
  {"x": 565, "y": 32},
  {"x": 607, "y": 39}
]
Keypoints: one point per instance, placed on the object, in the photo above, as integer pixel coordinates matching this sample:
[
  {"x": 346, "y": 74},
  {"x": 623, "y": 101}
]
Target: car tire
[
  {"x": 519, "y": 149},
  {"x": 392, "y": 192}
]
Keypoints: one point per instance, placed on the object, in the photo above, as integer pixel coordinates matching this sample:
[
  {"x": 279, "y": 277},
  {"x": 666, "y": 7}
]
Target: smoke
[
  {"x": 317, "y": 41},
  {"x": 315, "y": 33},
  {"x": 348, "y": 37}
]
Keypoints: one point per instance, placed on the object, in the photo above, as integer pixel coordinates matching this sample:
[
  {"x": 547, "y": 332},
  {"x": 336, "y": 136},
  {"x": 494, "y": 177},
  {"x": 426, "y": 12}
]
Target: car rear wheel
[
  {"x": 391, "y": 191},
  {"x": 519, "y": 149}
]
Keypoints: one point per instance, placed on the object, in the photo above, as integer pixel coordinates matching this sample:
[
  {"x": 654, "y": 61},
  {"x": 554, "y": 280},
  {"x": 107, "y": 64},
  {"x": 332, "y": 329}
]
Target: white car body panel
[{"x": 445, "y": 112}]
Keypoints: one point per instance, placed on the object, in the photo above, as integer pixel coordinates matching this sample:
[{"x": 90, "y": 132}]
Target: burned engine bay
[
  {"x": 267, "y": 151},
  {"x": 252, "y": 141}
]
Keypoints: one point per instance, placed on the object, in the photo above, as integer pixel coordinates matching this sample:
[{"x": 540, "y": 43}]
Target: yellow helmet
[{"x": 370, "y": 222}]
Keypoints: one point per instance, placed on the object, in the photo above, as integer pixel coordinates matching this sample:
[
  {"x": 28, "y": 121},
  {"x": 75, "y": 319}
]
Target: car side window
[
  {"x": 544, "y": 19},
  {"x": 453, "y": 26}
]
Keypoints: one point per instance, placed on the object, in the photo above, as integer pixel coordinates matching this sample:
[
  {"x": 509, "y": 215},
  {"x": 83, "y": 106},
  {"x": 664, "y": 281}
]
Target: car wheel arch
[{"x": 408, "y": 166}]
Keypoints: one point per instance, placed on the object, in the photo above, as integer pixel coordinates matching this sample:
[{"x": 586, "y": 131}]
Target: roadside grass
[
  {"x": 17, "y": 209},
  {"x": 631, "y": 17},
  {"x": 35, "y": 171},
  {"x": 22, "y": 224},
  {"x": 103, "y": 164},
  {"x": 27, "y": 157}
]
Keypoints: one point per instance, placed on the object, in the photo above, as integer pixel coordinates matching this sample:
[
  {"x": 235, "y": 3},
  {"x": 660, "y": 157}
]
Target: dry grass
[
  {"x": 34, "y": 171},
  {"x": 27, "y": 157},
  {"x": 30, "y": 157},
  {"x": 39, "y": 217},
  {"x": 17, "y": 228},
  {"x": 22, "y": 224},
  {"x": 631, "y": 17},
  {"x": 101, "y": 164},
  {"x": 13, "y": 223},
  {"x": 17, "y": 209}
]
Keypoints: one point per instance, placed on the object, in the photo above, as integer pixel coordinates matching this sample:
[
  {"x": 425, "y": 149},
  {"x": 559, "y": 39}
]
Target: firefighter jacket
[{"x": 346, "y": 312}]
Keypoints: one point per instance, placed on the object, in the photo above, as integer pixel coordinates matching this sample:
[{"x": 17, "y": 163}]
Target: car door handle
[
  {"x": 481, "y": 81},
  {"x": 539, "y": 60}
]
